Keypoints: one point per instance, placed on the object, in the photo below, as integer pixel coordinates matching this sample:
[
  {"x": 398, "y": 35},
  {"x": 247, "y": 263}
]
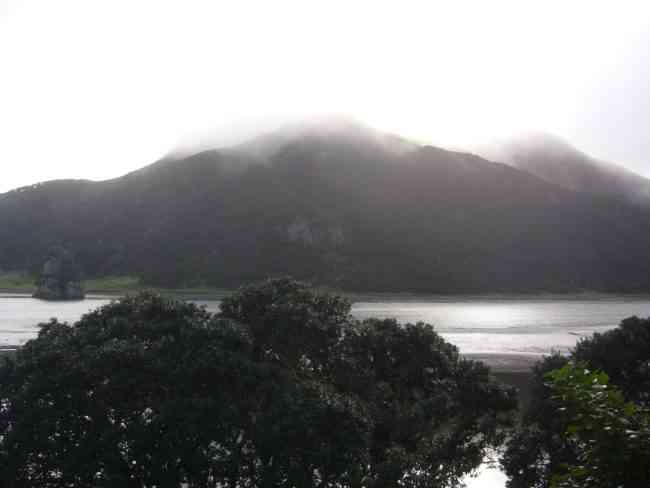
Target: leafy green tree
[
  {"x": 624, "y": 354},
  {"x": 611, "y": 436},
  {"x": 539, "y": 447},
  {"x": 122, "y": 398},
  {"x": 280, "y": 389},
  {"x": 434, "y": 414},
  {"x": 289, "y": 322}
]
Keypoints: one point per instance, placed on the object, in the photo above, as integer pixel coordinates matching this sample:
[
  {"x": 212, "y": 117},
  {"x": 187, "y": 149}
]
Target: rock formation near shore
[{"x": 60, "y": 278}]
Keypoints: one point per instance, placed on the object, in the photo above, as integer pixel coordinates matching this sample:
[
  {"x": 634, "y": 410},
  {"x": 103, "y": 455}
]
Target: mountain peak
[
  {"x": 328, "y": 124},
  {"x": 332, "y": 129},
  {"x": 526, "y": 144},
  {"x": 555, "y": 160}
]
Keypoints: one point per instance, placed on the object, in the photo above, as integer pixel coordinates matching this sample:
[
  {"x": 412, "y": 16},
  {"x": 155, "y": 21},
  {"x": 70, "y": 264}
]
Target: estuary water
[{"x": 528, "y": 326}]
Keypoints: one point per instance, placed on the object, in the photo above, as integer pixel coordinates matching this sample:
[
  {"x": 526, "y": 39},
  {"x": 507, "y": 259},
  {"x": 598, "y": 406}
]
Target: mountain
[
  {"x": 343, "y": 206},
  {"x": 556, "y": 161},
  {"x": 334, "y": 129}
]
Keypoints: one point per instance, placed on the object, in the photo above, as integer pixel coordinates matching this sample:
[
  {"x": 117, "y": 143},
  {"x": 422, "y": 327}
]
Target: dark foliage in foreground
[
  {"x": 538, "y": 446},
  {"x": 281, "y": 389},
  {"x": 609, "y": 435},
  {"x": 545, "y": 445}
]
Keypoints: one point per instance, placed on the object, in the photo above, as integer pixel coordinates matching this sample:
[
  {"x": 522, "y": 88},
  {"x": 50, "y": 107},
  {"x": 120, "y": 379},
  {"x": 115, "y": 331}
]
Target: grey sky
[{"x": 93, "y": 89}]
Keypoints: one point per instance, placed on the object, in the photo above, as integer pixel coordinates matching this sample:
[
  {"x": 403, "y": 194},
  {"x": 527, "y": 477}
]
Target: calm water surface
[{"x": 475, "y": 325}]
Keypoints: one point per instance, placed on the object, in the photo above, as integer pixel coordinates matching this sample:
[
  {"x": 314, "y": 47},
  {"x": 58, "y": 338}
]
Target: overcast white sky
[{"x": 94, "y": 89}]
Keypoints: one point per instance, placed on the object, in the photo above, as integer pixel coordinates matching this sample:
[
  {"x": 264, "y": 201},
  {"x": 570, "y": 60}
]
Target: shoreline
[
  {"x": 23, "y": 282},
  {"x": 217, "y": 293},
  {"x": 506, "y": 363},
  {"x": 514, "y": 370}
]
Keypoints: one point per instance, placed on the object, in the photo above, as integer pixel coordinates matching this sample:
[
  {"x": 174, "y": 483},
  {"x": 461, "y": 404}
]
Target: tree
[
  {"x": 282, "y": 388},
  {"x": 434, "y": 414},
  {"x": 540, "y": 448},
  {"x": 289, "y": 322},
  {"x": 611, "y": 436},
  {"x": 623, "y": 354}
]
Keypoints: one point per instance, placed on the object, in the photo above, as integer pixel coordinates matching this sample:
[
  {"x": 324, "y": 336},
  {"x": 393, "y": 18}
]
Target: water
[
  {"x": 20, "y": 314},
  {"x": 477, "y": 325},
  {"x": 512, "y": 326}
]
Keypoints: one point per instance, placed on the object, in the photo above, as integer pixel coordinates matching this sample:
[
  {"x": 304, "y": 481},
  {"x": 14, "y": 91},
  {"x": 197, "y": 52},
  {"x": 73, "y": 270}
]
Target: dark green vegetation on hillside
[
  {"x": 17, "y": 281},
  {"x": 588, "y": 422},
  {"x": 347, "y": 208},
  {"x": 281, "y": 389}
]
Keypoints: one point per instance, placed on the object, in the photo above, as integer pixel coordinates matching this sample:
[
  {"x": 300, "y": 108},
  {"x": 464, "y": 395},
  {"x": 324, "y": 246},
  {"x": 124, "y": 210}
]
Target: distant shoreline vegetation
[
  {"x": 20, "y": 282},
  {"x": 23, "y": 282}
]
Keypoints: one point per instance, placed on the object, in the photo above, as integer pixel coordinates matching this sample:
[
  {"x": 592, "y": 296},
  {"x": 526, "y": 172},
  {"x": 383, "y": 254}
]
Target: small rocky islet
[{"x": 60, "y": 278}]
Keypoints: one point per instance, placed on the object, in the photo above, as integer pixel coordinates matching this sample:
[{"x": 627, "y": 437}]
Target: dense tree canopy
[
  {"x": 281, "y": 389},
  {"x": 623, "y": 354},
  {"x": 548, "y": 442},
  {"x": 609, "y": 435},
  {"x": 538, "y": 446}
]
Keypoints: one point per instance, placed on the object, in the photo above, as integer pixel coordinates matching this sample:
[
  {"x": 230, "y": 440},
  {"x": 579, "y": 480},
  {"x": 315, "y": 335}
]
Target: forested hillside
[{"x": 348, "y": 208}]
